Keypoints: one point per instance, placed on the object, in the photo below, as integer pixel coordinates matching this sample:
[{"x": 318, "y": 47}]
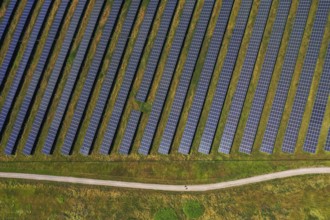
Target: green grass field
[
  {"x": 175, "y": 167},
  {"x": 294, "y": 198}
]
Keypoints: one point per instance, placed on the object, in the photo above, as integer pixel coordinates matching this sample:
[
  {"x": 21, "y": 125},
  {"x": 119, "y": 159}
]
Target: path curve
[{"x": 164, "y": 187}]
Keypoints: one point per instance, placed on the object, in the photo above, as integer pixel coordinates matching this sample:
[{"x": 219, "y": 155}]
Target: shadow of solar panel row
[
  {"x": 14, "y": 41},
  {"x": 156, "y": 51},
  {"x": 205, "y": 76},
  {"x": 166, "y": 78},
  {"x": 91, "y": 76},
  {"x": 284, "y": 82},
  {"x": 245, "y": 75},
  {"x": 319, "y": 108},
  {"x": 327, "y": 144},
  {"x": 153, "y": 60},
  {"x": 40, "y": 68},
  {"x": 267, "y": 69},
  {"x": 23, "y": 65},
  {"x": 185, "y": 78},
  {"x": 73, "y": 75},
  {"x": 125, "y": 88},
  {"x": 52, "y": 82},
  {"x": 225, "y": 77},
  {"x": 6, "y": 19},
  {"x": 132, "y": 124},
  {"x": 306, "y": 77}
]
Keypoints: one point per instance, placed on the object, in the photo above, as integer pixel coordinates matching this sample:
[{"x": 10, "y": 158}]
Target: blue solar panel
[
  {"x": 205, "y": 76},
  {"x": 47, "y": 96},
  {"x": 187, "y": 72},
  {"x": 126, "y": 86},
  {"x": 14, "y": 88},
  {"x": 327, "y": 144},
  {"x": 5, "y": 20},
  {"x": 31, "y": 91},
  {"x": 267, "y": 69},
  {"x": 105, "y": 40},
  {"x": 73, "y": 75},
  {"x": 246, "y": 74},
  {"x": 149, "y": 72},
  {"x": 165, "y": 81},
  {"x": 132, "y": 124},
  {"x": 306, "y": 77},
  {"x": 91, "y": 76},
  {"x": 13, "y": 45},
  {"x": 225, "y": 77},
  {"x": 89, "y": 83},
  {"x": 283, "y": 85},
  {"x": 156, "y": 51},
  {"x": 11, "y": 95},
  {"x": 320, "y": 105}
]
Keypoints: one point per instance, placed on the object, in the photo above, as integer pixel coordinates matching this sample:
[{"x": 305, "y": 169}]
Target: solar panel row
[
  {"x": 132, "y": 124},
  {"x": 156, "y": 51},
  {"x": 319, "y": 109},
  {"x": 39, "y": 70},
  {"x": 48, "y": 94},
  {"x": 205, "y": 76},
  {"x": 283, "y": 84},
  {"x": 153, "y": 60},
  {"x": 106, "y": 86},
  {"x": 225, "y": 77},
  {"x": 73, "y": 75},
  {"x": 327, "y": 144},
  {"x": 24, "y": 62},
  {"x": 92, "y": 74},
  {"x": 186, "y": 74},
  {"x": 5, "y": 20},
  {"x": 166, "y": 79},
  {"x": 14, "y": 43},
  {"x": 127, "y": 81},
  {"x": 306, "y": 77},
  {"x": 100, "y": 52},
  {"x": 245, "y": 77},
  {"x": 267, "y": 69}
]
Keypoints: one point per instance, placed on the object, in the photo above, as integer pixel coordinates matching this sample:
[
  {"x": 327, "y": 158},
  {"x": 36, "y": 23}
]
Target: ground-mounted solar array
[{"x": 142, "y": 77}]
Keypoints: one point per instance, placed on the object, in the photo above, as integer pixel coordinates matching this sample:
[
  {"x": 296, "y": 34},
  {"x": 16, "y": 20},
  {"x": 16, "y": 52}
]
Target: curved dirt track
[{"x": 164, "y": 187}]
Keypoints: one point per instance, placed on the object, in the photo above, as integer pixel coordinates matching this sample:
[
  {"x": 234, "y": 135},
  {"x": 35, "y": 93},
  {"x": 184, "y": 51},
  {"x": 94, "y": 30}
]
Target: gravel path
[{"x": 164, "y": 187}]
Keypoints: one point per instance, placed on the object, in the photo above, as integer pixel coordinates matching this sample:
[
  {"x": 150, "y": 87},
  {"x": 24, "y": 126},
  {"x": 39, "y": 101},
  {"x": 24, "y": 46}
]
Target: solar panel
[
  {"x": 127, "y": 82},
  {"x": 91, "y": 76},
  {"x": 73, "y": 75},
  {"x": 283, "y": 85},
  {"x": 156, "y": 51},
  {"x": 5, "y": 20},
  {"x": 205, "y": 76},
  {"x": 225, "y": 77},
  {"x": 186, "y": 74},
  {"x": 306, "y": 77},
  {"x": 61, "y": 59},
  {"x": 11, "y": 95},
  {"x": 31, "y": 91},
  {"x": 152, "y": 63},
  {"x": 319, "y": 109},
  {"x": 267, "y": 69},
  {"x": 13, "y": 45},
  {"x": 246, "y": 74},
  {"x": 327, "y": 144},
  {"x": 165, "y": 81},
  {"x": 23, "y": 65},
  {"x": 132, "y": 124}
]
